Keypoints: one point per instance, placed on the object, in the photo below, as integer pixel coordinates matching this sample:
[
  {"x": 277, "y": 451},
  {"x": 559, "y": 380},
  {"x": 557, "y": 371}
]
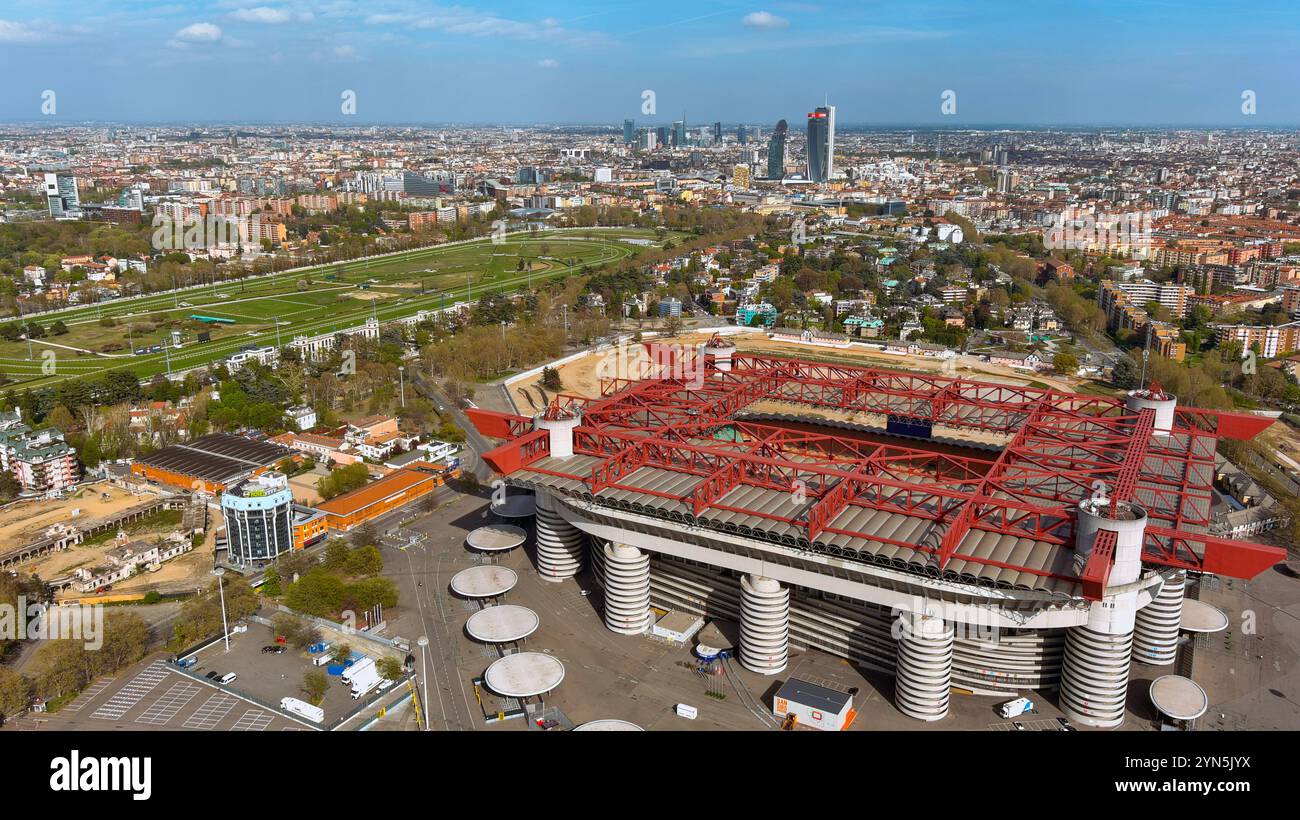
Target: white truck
[
  {"x": 364, "y": 681},
  {"x": 1016, "y": 708},
  {"x": 303, "y": 709},
  {"x": 350, "y": 674}
]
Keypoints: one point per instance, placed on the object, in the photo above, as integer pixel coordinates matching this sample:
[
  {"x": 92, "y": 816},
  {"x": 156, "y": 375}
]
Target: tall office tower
[
  {"x": 776, "y": 152},
  {"x": 1004, "y": 180},
  {"x": 629, "y": 131},
  {"x": 61, "y": 195},
  {"x": 661, "y": 134},
  {"x": 717, "y": 133},
  {"x": 679, "y": 134},
  {"x": 742, "y": 134},
  {"x": 821, "y": 143}
]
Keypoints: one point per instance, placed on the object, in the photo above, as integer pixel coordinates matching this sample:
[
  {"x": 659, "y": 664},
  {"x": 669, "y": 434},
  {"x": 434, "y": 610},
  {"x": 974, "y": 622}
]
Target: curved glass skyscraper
[{"x": 776, "y": 151}]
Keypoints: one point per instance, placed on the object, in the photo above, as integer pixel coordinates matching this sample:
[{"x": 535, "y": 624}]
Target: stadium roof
[
  {"x": 677, "y": 446},
  {"x": 217, "y": 457}
]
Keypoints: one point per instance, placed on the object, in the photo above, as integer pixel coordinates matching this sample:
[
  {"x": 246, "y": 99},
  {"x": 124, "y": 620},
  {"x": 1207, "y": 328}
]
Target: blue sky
[{"x": 881, "y": 63}]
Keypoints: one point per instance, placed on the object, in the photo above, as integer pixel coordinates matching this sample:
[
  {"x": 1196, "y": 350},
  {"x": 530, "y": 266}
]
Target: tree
[
  {"x": 389, "y": 668},
  {"x": 1125, "y": 374},
  {"x": 1065, "y": 364},
  {"x": 551, "y": 379},
  {"x": 15, "y": 693},
  {"x": 341, "y": 653},
  {"x": 314, "y": 685},
  {"x": 271, "y": 585}
]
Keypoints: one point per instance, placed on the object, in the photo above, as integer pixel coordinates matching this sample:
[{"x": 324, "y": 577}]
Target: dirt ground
[
  {"x": 583, "y": 376},
  {"x": 24, "y": 521}
]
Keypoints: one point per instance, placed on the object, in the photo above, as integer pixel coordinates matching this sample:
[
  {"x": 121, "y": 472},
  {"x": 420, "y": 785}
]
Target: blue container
[{"x": 335, "y": 669}]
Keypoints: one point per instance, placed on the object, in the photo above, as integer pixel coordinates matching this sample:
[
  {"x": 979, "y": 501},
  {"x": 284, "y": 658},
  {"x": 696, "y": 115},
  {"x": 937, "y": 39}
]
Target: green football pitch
[{"x": 305, "y": 302}]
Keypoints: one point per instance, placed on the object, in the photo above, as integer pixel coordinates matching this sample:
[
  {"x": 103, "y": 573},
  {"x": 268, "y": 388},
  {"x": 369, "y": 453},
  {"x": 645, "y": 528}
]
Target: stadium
[{"x": 959, "y": 535}]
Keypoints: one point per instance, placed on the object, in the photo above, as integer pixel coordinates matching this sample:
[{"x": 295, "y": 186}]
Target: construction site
[{"x": 969, "y": 536}]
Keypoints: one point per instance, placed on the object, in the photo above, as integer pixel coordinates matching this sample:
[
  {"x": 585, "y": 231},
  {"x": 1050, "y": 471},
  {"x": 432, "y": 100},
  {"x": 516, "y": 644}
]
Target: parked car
[
  {"x": 213, "y": 675},
  {"x": 229, "y": 677},
  {"x": 1065, "y": 725}
]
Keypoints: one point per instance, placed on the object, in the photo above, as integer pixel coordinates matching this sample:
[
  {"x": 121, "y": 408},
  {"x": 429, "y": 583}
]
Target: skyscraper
[
  {"x": 717, "y": 133},
  {"x": 776, "y": 152},
  {"x": 821, "y": 143},
  {"x": 742, "y": 134},
  {"x": 629, "y": 131},
  {"x": 61, "y": 196},
  {"x": 679, "y": 133}
]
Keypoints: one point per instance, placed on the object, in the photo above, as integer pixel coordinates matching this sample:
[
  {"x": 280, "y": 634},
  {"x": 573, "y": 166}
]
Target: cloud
[
  {"x": 270, "y": 16},
  {"x": 345, "y": 53},
  {"x": 199, "y": 33},
  {"x": 764, "y": 19},
  {"x": 34, "y": 32},
  {"x": 548, "y": 63}
]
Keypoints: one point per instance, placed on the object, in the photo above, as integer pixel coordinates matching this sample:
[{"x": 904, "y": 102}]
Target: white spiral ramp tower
[
  {"x": 923, "y": 676},
  {"x": 1155, "y": 633},
  {"x": 627, "y": 589},
  {"x": 764, "y": 625},
  {"x": 1095, "y": 672},
  {"x": 560, "y": 545}
]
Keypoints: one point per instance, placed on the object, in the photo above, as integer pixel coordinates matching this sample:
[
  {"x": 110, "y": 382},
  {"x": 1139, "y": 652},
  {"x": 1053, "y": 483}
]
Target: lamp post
[
  {"x": 221, "y": 590},
  {"x": 401, "y": 381},
  {"x": 422, "y": 642}
]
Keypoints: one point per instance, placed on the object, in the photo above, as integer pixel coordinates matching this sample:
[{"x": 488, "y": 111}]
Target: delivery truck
[
  {"x": 1016, "y": 708},
  {"x": 302, "y": 708},
  {"x": 350, "y": 674}
]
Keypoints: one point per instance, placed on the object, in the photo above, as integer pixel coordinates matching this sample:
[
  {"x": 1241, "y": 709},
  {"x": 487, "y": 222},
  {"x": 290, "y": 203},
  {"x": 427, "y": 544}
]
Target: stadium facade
[{"x": 957, "y": 534}]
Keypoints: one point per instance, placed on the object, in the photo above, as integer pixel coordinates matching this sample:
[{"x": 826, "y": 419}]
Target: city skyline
[{"x": 577, "y": 63}]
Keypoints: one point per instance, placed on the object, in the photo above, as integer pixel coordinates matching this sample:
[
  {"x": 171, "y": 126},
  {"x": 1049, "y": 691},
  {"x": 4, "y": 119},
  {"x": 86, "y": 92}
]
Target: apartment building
[
  {"x": 41, "y": 461},
  {"x": 1266, "y": 341}
]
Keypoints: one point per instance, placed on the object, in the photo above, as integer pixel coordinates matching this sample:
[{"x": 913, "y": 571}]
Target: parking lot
[
  {"x": 152, "y": 696},
  {"x": 269, "y": 676}
]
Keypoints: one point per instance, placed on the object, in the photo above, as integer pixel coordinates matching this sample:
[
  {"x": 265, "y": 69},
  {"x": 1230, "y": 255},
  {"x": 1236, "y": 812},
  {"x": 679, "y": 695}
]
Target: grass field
[{"x": 399, "y": 285}]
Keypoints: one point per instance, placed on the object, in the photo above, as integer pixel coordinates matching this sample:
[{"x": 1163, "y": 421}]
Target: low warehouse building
[{"x": 210, "y": 463}]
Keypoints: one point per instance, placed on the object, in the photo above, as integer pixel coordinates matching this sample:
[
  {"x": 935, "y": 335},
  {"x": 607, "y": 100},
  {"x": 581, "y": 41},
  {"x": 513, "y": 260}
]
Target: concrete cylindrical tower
[
  {"x": 1155, "y": 637},
  {"x": 764, "y": 625},
  {"x": 718, "y": 352},
  {"x": 1154, "y": 398},
  {"x": 627, "y": 589},
  {"x": 923, "y": 676},
  {"x": 1094, "y": 676},
  {"x": 561, "y": 423},
  {"x": 559, "y": 543},
  {"x": 1095, "y": 671}
]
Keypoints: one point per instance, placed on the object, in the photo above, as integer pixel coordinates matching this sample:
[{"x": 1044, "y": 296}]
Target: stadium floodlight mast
[
  {"x": 422, "y": 642},
  {"x": 221, "y": 591},
  {"x": 401, "y": 382}
]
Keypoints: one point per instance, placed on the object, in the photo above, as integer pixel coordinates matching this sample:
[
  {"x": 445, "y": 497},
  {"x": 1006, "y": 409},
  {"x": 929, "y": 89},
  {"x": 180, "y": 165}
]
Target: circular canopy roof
[
  {"x": 496, "y": 537},
  {"x": 484, "y": 581},
  {"x": 524, "y": 675},
  {"x": 608, "y": 725},
  {"x": 1178, "y": 697},
  {"x": 1199, "y": 616},
  {"x": 502, "y": 624},
  {"x": 516, "y": 506}
]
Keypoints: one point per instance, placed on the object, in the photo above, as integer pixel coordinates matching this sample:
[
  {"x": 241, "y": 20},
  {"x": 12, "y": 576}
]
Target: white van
[{"x": 229, "y": 677}]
